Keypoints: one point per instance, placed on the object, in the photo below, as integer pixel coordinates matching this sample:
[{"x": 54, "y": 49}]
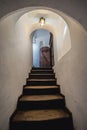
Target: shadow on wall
[{"x": 71, "y": 72}]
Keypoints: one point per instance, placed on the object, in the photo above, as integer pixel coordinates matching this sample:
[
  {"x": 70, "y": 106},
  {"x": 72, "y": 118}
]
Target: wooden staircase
[{"x": 41, "y": 105}]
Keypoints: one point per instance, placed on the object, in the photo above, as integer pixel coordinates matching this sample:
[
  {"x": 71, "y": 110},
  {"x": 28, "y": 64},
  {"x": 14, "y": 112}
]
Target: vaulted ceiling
[{"x": 75, "y": 8}]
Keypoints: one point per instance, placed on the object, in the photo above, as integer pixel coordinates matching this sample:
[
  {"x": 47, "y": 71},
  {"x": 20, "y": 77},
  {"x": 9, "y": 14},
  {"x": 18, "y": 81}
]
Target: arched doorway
[{"x": 42, "y": 43}]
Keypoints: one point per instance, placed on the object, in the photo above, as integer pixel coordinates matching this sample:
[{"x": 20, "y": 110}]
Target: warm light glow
[{"x": 42, "y": 21}]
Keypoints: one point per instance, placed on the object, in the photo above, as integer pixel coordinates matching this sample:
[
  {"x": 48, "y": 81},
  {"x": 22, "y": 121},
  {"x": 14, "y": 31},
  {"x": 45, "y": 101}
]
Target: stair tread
[
  {"x": 40, "y": 97},
  {"x": 40, "y": 115},
  {"x": 41, "y": 67},
  {"x": 41, "y": 79},
  {"x": 42, "y": 70},
  {"x": 41, "y": 74},
  {"x": 40, "y": 87}
]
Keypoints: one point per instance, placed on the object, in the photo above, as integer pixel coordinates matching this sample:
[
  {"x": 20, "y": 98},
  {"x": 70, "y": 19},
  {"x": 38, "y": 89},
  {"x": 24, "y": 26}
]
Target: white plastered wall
[
  {"x": 71, "y": 73},
  {"x": 15, "y": 63}
]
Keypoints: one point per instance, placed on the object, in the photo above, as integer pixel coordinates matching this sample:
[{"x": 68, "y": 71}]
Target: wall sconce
[{"x": 42, "y": 21}]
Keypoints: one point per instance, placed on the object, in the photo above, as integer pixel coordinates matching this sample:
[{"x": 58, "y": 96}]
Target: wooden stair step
[
  {"x": 40, "y": 97},
  {"x": 32, "y": 102},
  {"x": 32, "y": 90},
  {"x": 42, "y": 120},
  {"x": 41, "y": 76},
  {"x": 40, "y": 115},
  {"x": 41, "y": 68},
  {"x": 42, "y": 71},
  {"x": 41, "y": 80},
  {"x": 40, "y": 87}
]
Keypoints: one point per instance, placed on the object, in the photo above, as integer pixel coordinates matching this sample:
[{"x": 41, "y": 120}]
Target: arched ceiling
[
  {"x": 54, "y": 23},
  {"x": 52, "y": 19},
  {"x": 75, "y": 8}
]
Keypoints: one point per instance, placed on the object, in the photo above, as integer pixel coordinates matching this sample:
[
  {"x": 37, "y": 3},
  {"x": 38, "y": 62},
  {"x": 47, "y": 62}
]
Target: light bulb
[{"x": 42, "y": 21}]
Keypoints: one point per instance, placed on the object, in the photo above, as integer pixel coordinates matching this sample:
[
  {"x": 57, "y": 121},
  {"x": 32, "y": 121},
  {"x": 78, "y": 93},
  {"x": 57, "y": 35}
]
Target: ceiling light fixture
[{"x": 42, "y": 21}]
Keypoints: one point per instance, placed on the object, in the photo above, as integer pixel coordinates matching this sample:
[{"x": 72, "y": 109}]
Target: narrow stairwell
[{"x": 41, "y": 105}]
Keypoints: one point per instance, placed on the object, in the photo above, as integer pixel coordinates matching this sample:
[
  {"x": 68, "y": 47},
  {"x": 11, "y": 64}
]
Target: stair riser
[
  {"x": 41, "y": 91},
  {"x": 43, "y": 83},
  {"x": 37, "y": 68},
  {"x": 41, "y": 76},
  {"x": 33, "y": 105},
  {"x": 41, "y": 72},
  {"x": 60, "y": 124}
]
